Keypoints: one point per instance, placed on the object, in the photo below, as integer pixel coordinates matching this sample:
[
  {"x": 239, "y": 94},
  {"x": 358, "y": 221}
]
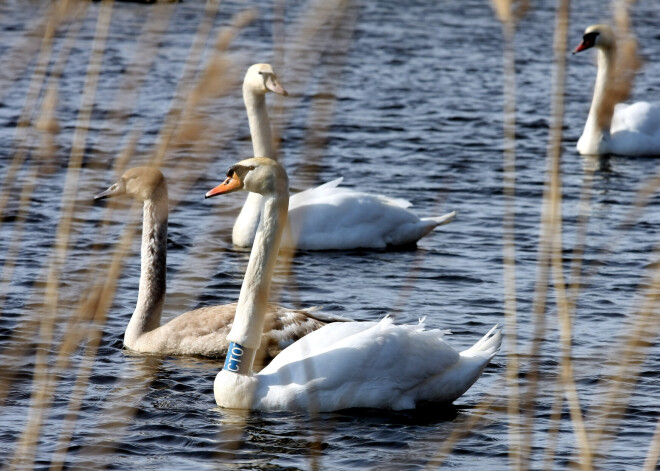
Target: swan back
[
  {"x": 332, "y": 217},
  {"x": 371, "y": 364}
]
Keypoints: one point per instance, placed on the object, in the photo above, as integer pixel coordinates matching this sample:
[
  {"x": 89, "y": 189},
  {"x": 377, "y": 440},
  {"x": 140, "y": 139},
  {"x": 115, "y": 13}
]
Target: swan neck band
[{"x": 239, "y": 359}]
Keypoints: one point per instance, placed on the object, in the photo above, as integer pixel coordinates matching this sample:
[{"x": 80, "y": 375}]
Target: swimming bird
[
  {"x": 202, "y": 331},
  {"x": 622, "y": 129},
  {"x": 339, "y": 366},
  {"x": 326, "y": 217}
]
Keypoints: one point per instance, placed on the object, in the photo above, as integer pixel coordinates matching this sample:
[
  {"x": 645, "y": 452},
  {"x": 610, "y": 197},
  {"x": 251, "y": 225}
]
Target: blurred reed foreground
[{"x": 91, "y": 89}]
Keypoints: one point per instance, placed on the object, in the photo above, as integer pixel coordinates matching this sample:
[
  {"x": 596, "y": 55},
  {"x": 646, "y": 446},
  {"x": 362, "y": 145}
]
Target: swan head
[
  {"x": 261, "y": 79},
  {"x": 599, "y": 36},
  {"x": 140, "y": 183},
  {"x": 258, "y": 175}
]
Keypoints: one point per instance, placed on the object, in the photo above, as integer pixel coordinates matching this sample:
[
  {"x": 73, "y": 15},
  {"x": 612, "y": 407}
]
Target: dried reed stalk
[
  {"x": 552, "y": 221},
  {"x": 90, "y": 319},
  {"x": 23, "y": 129},
  {"x": 17, "y": 349},
  {"x": 25, "y": 451},
  {"x": 136, "y": 77},
  {"x": 630, "y": 355},
  {"x": 653, "y": 456},
  {"x": 337, "y": 37},
  {"x": 626, "y": 64},
  {"x": 331, "y": 26},
  {"x": 462, "y": 430},
  {"x": 44, "y": 23},
  {"x": 190, "y": 95},
  {"x": 516, "y": 433},
  {"x": 510, "y": 12},
  {"x": 184, "y": 127}
]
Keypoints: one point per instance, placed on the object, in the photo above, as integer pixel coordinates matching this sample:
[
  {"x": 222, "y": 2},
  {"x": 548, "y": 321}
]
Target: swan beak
[
  {"x": 230, "y": 185},
  {"x": 114, "y": 190},
  {"x": 582, "y": 46},
  {"x": 274, "y": 86}
]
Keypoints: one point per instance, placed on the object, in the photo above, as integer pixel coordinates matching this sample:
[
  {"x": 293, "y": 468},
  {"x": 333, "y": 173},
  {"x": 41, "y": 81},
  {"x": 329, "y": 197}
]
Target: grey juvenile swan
[{"x": 204, "y": 330}]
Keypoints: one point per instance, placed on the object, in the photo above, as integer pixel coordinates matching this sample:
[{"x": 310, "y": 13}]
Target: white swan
[
  {"x": 204, "y": 330},
  {"x": 325, "y": 217},
  {"x": 627, "y": 130},
  {"x": 358, "y": 364}
]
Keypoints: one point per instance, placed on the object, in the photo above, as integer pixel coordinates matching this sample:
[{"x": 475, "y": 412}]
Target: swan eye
[{"x": 589, "y": 39}]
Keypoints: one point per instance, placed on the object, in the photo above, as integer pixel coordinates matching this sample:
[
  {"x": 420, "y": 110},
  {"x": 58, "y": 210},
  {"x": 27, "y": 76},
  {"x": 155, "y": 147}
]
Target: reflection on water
[{"x": 408, "y": 104}]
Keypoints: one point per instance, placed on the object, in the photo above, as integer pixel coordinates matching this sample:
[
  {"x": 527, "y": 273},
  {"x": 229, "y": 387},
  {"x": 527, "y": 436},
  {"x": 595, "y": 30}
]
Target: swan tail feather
[
  {"x": 441, "y": 220},
  {"x": 488, "y": 345}
]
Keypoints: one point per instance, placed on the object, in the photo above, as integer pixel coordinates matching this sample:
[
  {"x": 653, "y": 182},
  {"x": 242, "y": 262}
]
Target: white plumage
[
  {"x": 370, "y": 364},
  {"x": 635, "y": 129},
  {"x": 357, "y": 364},
  {"x": 330, "y": 217},
  {"x": 632, "y": 130},
  {"x": 325, "y": 217}
]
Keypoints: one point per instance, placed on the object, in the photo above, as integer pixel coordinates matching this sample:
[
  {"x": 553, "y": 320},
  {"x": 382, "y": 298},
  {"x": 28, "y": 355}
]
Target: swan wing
[
  {"x": 365, "y": 364},
  {"x": 636, "y": 129},
  {"x": 204, "y": 331},
  {"x": 331, "y": 218},
  {"x": 640, "y": 117},
  {"x": 314, "y": 192}
]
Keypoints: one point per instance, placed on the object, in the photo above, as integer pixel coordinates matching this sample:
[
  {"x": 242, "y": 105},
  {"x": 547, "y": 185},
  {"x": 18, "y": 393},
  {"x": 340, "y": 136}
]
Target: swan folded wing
[
  {"x": 641, "y": 117},
  {"x": 635, "y": 129},
  {"x": 322, "y": 194},
  {"x": 204, "y": 331},
  {"x": 311, "y": 192},
  {"x": 376, "y": 365},
  {"x": 287, "y": 326},
  {"x": 349, "y": 219}
]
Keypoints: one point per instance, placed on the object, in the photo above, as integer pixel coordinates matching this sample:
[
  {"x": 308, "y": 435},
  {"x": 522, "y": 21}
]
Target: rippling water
[{"x": 417, "y": 97}]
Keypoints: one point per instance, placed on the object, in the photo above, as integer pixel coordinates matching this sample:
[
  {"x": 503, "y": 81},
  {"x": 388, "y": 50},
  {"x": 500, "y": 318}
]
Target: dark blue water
[{"x": 408, "y": 102}]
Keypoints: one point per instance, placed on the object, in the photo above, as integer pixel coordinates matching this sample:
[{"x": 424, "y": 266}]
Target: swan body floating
[
  {"x": 340, "y": 366},
  {"x": 202, "y": 331},
  {"x": 631, "y": 129},
  {"x": 326, "y": 217}
]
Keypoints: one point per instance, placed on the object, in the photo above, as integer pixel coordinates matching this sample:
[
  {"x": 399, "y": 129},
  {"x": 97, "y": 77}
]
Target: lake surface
[{"x": 404, "y": 101}]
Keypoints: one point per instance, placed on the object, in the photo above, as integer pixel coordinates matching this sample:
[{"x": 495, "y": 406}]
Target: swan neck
[
  {"x": 600, "y": 114},
  {"x": 153, "y": 269},
  {"x": 262, "y": 140},
  {"x": 262, "y": 146},
  {"x": 247, "y": 221},
  {"x": 252, "y": 302}
]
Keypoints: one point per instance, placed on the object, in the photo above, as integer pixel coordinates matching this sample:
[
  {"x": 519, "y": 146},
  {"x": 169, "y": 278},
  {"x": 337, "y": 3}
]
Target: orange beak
[{"x": 230, "y": 185}]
